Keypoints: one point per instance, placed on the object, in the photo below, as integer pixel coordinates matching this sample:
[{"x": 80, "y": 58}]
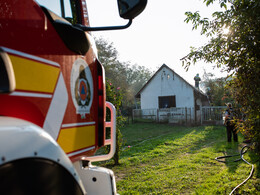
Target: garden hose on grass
[{"x": 242, "y": 152}]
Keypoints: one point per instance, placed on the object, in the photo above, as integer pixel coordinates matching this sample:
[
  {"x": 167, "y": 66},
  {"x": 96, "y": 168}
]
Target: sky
[{"x": 157, "y": 36}]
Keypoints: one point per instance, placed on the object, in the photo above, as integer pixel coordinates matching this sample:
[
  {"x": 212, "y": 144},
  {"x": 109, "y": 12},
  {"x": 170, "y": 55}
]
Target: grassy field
[{"x": 163, "y": 159}]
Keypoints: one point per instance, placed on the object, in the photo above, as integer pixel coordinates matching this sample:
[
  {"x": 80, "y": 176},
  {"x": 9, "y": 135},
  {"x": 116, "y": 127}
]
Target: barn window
[
  {"x": 167, "y": 101},
  {"x": 168, "y": 76}
]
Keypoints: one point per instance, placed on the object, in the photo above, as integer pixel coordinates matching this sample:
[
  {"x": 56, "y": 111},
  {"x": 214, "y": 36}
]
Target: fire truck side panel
[{"x": 56, "y": 88}]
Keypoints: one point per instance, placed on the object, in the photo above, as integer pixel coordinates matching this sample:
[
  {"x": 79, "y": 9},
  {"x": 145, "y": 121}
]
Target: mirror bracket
[{"x": 87, "y": 28}]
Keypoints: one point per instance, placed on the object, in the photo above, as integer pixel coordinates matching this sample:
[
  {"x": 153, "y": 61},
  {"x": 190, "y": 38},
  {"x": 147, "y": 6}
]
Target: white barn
[{"x": 167, "y": 89}]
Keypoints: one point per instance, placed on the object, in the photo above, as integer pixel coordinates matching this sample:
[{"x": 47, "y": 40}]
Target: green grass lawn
[{"x": 164, "y": 159}]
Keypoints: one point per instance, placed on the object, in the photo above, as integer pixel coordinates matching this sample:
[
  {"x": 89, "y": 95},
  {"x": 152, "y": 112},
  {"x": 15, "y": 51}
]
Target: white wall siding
[{"x": 166, "y": 83}]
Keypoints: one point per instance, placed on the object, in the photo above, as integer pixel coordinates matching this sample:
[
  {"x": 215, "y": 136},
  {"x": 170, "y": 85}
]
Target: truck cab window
[{"x": 63, "y": 8}]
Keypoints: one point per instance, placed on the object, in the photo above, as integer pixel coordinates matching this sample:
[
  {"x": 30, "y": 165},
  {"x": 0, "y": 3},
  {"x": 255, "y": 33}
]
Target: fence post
[
  {"x": 201, "y": 115},
  {"x": 186, "y": 117},
  {"x": 157, "y": 115}
]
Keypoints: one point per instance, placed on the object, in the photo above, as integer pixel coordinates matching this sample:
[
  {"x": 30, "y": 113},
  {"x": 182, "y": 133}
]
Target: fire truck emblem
[{"x": 81, "y": 87}]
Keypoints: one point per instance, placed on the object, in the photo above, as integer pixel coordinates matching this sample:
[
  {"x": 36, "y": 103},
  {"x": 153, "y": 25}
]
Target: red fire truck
[{"x": 52, "y": 98}]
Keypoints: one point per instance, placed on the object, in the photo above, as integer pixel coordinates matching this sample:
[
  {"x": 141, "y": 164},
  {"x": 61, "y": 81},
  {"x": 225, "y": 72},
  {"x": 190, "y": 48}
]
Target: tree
[
  {"x": 114, "y": 95},
  {"x": 130, "y": 78},
  {"x": 115, "y": 78},
  {"x": 137, "y": 76},
  {"x": 116, "y": 71},
  {"x": 237, "y": 51},
  {"x": 122, "y": 82},
  {"x": 216, "y": 90}
]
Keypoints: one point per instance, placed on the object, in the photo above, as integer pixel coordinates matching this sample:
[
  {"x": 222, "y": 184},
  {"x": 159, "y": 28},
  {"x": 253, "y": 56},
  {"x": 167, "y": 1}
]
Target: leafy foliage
[
  {"x": 216, "y": 90},
  {"x": 129, "y": 77},
  {"x": 123, "y": 81},
  {"x": 114, "y": 95},
  {"x": 237, "y": 51}
]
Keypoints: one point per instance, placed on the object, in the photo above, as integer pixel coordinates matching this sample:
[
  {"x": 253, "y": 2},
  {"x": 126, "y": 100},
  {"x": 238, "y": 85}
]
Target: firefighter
[
  {"x": 229, "y": 122},
  {"x": 197, "y": 81}
]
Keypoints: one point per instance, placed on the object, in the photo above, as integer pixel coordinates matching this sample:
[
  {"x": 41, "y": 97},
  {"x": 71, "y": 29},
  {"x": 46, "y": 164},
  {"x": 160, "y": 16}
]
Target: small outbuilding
[{"x": 167, "y": 89}]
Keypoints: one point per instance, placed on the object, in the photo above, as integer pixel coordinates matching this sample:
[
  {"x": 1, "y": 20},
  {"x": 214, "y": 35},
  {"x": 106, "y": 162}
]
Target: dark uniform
[{"x": 230, "y": 124}]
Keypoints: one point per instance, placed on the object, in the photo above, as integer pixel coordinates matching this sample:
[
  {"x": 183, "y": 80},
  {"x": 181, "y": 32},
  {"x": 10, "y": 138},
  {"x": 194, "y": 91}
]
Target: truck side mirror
[{"x": 129, "y": 9}]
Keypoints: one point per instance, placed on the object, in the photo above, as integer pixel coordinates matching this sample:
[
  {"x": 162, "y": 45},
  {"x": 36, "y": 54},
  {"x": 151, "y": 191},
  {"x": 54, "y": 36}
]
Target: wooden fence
[
  {"x": 166, "y": 115},
  {"x": 181, "y": 116}
]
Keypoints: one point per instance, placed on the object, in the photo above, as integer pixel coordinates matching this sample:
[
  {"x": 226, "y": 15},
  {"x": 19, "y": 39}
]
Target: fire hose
[{"x": 242, "y": 152}]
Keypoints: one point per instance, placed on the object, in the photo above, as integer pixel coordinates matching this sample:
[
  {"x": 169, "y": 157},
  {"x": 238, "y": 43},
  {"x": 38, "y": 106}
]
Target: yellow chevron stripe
[
  {"x": 76, "y": 138},
  {"x": 34, "y": 76}
]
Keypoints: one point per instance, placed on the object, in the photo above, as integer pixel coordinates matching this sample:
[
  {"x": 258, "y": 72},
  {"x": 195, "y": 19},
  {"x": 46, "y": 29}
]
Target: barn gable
[{"x": 167, "y": 89}]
